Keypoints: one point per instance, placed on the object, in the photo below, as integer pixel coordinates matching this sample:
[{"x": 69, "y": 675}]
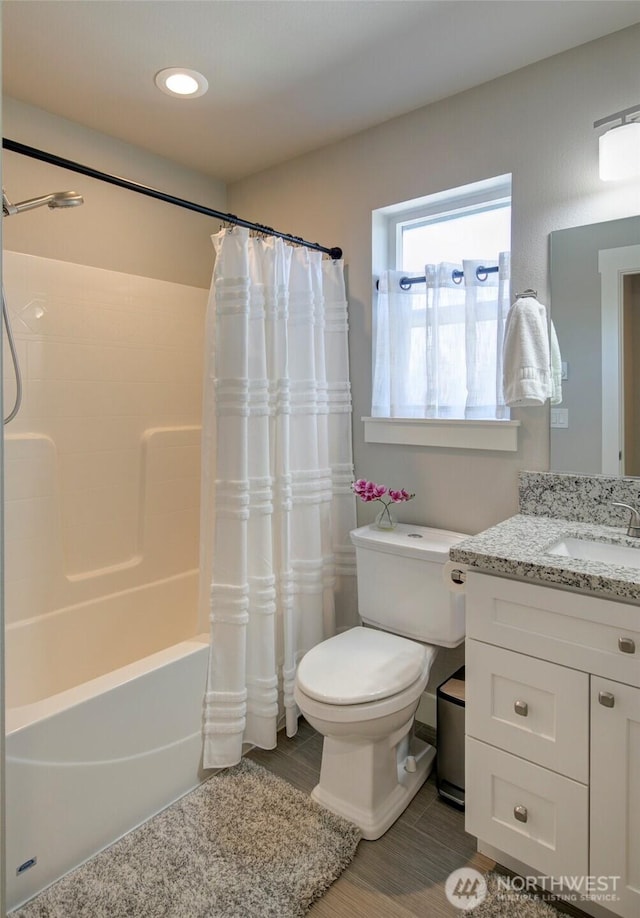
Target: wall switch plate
[
  {"x": 564, "y": 370},
  {"x": 559, "y": 417}
]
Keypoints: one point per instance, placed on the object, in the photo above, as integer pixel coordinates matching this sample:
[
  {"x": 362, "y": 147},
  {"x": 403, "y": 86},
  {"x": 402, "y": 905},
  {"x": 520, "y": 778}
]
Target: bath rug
[{"x": 245, "y": 844}]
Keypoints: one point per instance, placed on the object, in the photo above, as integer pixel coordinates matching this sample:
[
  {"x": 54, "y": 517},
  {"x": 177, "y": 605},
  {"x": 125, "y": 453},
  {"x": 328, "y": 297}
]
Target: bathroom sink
[{"x": 588, "y": 550}]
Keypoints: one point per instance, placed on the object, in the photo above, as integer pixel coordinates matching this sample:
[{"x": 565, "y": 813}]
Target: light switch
[{"x": 559, "y": 417}]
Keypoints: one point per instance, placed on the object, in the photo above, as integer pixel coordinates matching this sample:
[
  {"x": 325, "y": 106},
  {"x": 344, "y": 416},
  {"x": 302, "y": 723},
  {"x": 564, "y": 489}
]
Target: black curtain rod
[
  {"x": 456, "y": 276},
  {"x": 406, "y": 283},
  {"x": 15, "y": 147}
]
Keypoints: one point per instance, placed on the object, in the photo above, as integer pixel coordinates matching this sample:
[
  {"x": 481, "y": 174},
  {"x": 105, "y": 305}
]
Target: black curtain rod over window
[
  {"x": 334, "y": 252},
  {"x": 456, "y": 276},
  {"x": 406, "y": 283}
]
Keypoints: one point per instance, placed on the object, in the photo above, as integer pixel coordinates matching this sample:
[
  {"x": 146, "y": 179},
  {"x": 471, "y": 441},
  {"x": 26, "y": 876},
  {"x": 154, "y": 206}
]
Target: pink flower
[
  {"x": 399, "y": 497},
  {"x": 368, "y": 490}
]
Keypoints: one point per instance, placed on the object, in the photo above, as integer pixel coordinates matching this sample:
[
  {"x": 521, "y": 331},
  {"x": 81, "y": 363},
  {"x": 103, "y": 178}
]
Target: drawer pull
[
  {"x": 626, "y": 645},
  {"x": 521, "y": 708},
  {"x": 520, "y": 812},
  {"x": 607, "y": 699}
]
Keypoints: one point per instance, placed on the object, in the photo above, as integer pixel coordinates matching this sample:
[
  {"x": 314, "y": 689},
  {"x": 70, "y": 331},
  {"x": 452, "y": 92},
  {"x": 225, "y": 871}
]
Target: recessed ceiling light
[{"x": 177, "y": 81}]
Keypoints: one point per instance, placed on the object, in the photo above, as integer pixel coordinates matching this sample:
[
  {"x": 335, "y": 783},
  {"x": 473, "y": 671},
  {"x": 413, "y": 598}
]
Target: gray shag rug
[{"x": 244, "y": 843}]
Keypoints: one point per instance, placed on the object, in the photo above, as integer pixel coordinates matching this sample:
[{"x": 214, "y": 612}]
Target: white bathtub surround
[
  {"x": 244, "y": 843},
  {"x": 277, "y": 569},
  {"x": 102, "y": 464},
  {"x": 105, "y": 673}
]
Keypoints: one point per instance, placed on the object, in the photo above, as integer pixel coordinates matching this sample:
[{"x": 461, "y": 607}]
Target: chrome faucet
[{"x": 633, "y": 529}]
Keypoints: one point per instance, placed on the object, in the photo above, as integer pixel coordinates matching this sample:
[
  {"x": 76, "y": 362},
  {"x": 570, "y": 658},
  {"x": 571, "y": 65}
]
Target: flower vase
[{"x": 385, "y": 519}]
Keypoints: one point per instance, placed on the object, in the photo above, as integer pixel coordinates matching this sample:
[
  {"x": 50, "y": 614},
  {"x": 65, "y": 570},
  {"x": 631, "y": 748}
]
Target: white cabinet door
[{"x": 615, "y": 791}]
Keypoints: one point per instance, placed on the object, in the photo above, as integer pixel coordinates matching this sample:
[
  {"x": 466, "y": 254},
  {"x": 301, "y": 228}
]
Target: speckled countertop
[{"x": 518, "y": 547}]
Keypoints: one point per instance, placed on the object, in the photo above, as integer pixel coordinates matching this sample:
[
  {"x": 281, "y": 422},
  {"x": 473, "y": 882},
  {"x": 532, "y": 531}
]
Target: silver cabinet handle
[
  {"x": 606, "y": 699},
  {"x": 626, "y": 645},
  {"x": 521, "y": 814},
  {"x": 521, "y": 708}
]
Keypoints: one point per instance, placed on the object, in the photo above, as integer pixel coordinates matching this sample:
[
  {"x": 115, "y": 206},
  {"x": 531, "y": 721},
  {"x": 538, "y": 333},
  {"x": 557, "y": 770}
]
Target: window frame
[
  {"x": 479, "y": 197},
  {"x": 388, "y": 224}
]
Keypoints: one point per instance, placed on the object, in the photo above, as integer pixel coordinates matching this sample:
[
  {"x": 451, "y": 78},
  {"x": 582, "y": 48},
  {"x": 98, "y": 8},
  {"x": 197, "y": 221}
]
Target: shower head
[
  {"x": 53, "y": 201},
  {"x": 65, "y": 199}
]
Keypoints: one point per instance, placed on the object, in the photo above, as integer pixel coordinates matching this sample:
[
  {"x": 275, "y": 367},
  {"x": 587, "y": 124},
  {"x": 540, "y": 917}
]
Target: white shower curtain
[
  {"x": 438, "y": 345},
  {"x": 277, "y": 567}
]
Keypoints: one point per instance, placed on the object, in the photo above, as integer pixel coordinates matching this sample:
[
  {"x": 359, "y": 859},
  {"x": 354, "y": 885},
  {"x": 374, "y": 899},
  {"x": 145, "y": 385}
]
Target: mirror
[{"x": 595, "y": 307}]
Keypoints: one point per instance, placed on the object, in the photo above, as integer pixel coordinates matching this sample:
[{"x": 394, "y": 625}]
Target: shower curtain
[{"x": 277, "y": 567}]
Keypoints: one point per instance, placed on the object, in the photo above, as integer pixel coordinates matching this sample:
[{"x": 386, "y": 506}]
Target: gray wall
[{"x": 536, "y": 123}]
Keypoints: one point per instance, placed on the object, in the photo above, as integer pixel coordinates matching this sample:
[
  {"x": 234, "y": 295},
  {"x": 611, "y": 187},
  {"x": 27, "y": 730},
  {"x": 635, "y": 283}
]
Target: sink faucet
[{"x": 633, "y": 529}]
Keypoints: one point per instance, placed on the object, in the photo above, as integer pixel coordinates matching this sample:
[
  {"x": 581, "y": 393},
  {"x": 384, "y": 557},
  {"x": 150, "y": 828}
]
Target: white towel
[
  {"x": 526, "y": 374},
  {"x": 556, "y": 368}
]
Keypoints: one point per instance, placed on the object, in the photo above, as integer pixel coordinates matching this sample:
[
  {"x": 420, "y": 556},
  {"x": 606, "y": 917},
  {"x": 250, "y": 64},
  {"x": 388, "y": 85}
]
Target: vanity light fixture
[
  {"x": 178, "y": 81},
  {"x": 620, "y": 146}
]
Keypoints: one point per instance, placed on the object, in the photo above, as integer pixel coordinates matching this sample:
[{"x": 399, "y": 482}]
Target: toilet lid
[{"x": 361, "y": 665}]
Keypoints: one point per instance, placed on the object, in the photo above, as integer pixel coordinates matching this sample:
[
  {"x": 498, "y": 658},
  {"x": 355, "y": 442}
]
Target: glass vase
[{"x": 385, "y": 519}]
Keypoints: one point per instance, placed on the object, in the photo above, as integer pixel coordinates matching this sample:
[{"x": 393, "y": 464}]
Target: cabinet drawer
[
  {"x": 529, "y": 707},
  {"x": 554, "y": 837},
  {"x": 584, "y": 632}
]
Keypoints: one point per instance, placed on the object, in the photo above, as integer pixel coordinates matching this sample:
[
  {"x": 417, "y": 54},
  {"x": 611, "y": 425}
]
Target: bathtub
[{"x": 92, "y": 754}]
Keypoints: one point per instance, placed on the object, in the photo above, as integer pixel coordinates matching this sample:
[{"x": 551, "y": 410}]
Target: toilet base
[{"x": 368, "y": 782}]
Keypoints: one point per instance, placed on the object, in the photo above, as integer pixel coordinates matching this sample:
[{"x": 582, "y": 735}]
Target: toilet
[{"x": 361, "y": 688}]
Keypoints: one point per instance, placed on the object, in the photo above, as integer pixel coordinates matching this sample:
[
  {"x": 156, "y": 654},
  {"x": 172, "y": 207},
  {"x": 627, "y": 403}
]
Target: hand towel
[
  {"x": 526, "y": 375},
  {"x": 556, "y": 368}
]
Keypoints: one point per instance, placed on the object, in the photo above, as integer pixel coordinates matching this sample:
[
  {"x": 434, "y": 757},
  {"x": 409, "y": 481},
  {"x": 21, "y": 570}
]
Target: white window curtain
[
  {"x": 437, "y": 346},
  {"x": 277, "y": 567}
]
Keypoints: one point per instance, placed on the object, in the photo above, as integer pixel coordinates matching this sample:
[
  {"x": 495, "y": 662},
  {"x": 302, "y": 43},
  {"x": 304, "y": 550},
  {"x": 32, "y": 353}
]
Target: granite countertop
[{"x": 518, "y": 548}]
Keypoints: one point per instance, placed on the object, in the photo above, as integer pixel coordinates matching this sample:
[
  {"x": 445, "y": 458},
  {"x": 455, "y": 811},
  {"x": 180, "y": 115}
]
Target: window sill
[{"x": 458, "y": 434}]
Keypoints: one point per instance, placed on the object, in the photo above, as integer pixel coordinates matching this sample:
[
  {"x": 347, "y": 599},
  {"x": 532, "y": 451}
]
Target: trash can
[{"x": 450, "y": 701}]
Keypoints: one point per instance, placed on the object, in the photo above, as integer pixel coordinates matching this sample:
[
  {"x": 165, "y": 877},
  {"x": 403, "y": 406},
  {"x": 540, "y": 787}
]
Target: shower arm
[{"x": 55, "y": 200}]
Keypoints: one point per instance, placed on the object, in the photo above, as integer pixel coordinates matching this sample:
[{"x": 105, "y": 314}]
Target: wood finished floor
[{"x": 402, "y": 874}]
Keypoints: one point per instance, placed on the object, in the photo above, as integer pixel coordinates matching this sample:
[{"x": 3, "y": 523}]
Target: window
[
  {"x": 466, "y": 233},
  {"x": 438, "y": 342}
]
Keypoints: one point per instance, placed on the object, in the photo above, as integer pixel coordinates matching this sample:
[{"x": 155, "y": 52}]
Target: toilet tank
[{"x": 401, "y": 583}]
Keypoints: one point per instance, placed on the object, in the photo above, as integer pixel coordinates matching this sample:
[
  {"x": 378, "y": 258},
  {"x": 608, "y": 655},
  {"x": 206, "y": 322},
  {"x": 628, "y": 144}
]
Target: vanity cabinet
[
  {"x": 615, "y": 788},
  {"x": 553, "y": 732}
]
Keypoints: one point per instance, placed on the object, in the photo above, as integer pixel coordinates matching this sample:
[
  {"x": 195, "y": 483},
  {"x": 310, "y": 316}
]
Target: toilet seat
[{"x": 362, "y": 666}]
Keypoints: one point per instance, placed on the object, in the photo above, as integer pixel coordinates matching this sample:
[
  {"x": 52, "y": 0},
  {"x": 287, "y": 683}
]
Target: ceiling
[{"x": 285, "y": 76}]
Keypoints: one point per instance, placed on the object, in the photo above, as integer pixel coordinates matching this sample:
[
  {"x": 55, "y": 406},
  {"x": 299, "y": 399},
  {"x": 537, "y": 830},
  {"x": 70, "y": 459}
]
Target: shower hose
[{"x": 14, "y": 358}]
